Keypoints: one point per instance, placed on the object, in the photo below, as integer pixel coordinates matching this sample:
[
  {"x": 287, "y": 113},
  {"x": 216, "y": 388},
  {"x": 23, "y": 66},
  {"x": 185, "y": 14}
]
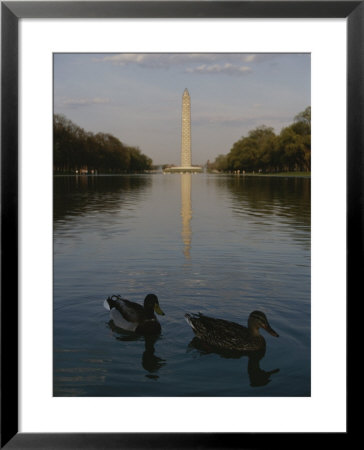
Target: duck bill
[
  {"x": 271, "y": 331},
  {"x": 158, "y": 310}
]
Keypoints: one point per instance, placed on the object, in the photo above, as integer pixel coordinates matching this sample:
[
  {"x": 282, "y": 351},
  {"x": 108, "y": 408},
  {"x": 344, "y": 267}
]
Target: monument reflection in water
[{"x": 186, "y": 213}]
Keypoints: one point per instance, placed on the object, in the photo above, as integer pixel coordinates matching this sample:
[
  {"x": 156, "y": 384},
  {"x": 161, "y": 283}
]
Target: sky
[{"x": 138, "y": 97}]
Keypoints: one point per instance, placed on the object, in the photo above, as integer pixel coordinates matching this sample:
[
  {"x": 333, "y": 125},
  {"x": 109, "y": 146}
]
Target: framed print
[{"x": 162, "y": 151}]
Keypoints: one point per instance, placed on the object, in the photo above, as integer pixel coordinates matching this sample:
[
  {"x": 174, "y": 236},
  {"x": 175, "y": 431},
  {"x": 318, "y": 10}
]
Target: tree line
[
  {"x": 76, "y": 150},
  {"x": 264, "y": 151}
]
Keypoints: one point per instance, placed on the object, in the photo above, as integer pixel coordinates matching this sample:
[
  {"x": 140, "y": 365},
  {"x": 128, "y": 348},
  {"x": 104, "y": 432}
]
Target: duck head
[
  {"x": 151, "y": 303},
  {"x": 257, "y": 320}
]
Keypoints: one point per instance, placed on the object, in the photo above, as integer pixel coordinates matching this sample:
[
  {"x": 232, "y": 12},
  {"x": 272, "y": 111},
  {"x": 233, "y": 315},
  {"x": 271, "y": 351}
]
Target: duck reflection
[
  {"x": 186, "y": 213},
  {"x": 150, "y": 362},
  {"x": 257, "y": 376}
]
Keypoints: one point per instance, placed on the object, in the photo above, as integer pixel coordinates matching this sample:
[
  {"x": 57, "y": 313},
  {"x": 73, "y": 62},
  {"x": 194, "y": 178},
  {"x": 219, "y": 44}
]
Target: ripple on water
[{"x": 228, "y": 248}]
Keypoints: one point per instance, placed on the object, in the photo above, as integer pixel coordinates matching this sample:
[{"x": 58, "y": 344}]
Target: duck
[
  {"x": 225, "y": 335},
  {"x": 131, "y": 316}
]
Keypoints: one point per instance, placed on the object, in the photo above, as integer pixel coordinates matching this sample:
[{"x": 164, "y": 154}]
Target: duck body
[
  {"x": 226, "y": 335},
  {"x": 131, "y": 316}
]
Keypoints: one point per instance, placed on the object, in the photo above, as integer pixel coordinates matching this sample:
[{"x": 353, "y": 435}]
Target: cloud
[
  {"x": 251, "y": 57},
  {"x": 227, "y": 68},
  {"x": 124, "y": 58},
  {"x": 81, "y": 102},
  {"x": 233, "y": 64},
  {"x": 153, "y": 60},
  {"x": 167, "y": 60}
]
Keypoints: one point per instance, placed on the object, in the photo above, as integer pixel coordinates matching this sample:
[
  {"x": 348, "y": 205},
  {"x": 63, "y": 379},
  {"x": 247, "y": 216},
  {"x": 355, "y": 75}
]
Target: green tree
[
  {"x": 263, "y": 150},
  {"x": 75, "y": 149}
]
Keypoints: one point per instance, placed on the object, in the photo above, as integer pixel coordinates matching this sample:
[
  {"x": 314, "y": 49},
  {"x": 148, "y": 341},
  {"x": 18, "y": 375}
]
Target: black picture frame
[{"x": 11, "y": 13}]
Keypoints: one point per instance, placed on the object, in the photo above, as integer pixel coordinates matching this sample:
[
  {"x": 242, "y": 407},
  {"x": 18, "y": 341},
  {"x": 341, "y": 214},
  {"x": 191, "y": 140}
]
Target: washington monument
[
  {"x": 186, "y": 158},
  {"x": 186, "y": 154}
]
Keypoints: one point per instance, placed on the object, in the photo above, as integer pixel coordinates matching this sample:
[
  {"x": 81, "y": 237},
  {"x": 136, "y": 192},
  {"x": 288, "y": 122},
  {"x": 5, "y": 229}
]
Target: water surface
[{"x": 221, "y": 245}]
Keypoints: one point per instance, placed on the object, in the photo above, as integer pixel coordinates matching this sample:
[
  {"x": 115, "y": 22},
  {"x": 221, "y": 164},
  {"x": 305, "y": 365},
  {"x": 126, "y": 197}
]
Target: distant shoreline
[{"x": 278, "y": 174}]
